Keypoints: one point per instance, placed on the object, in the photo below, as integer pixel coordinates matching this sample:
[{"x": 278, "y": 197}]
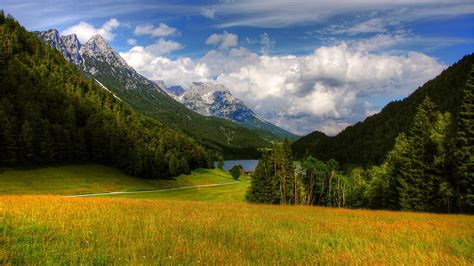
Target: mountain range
[
  {"x": 365, "y": 143},
  {"x": 99, "y": 61},
  {"x": 210, "y": 99}
]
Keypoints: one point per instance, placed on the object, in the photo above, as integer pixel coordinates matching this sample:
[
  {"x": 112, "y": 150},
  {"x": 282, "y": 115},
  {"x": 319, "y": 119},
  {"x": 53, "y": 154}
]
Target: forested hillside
[
  {"x": 50, "y": 113},
  {"x": 368, "y": 142}
]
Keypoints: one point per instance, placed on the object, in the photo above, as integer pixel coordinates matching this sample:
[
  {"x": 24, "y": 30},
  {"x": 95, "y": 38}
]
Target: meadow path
[{"x": 149, "y": 191}]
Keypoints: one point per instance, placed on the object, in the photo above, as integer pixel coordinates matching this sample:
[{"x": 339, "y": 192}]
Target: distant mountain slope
[
  {"x": 369, "y": 141},
  {"x": 102, "y": 63},
  {"x": 49, "y": 113},
  {"x": 211, "y": 99}
]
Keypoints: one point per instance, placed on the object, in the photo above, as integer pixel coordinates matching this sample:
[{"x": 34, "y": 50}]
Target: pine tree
[
  {"x": 173, "y": 166},
  {"x": 262, "y": 186},
  {"x": 440, "y": 173},
  {"x": 160, "y": 168},
  {"x": 27, "y": 142},
  {"x": 464, "y": 153},
  {"x": 418, "y": 165},
  {"x": 184, "y": 166}
]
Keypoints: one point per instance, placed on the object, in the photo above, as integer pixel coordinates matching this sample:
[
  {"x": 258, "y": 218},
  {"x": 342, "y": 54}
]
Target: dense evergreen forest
[
  {"x": 368, "y": 142},
  {"x": 49, "y": 113},
  {"x": 430, "y": 169}
]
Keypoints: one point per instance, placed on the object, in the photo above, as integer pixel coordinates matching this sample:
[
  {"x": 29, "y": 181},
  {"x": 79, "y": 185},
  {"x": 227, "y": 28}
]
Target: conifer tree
[
  {"x": 263, "y": 189},
  {"x": 184, "y": 166},
  {"x": 464, "y": 152},
  {"x": 173, "y": 165},
  {"x": 27, "y": 141},
  {"x": 418, "y": 164}
]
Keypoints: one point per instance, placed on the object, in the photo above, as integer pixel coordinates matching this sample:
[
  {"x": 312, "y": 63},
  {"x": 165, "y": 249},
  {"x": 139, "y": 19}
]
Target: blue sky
[{"x": 303, "y": 65}]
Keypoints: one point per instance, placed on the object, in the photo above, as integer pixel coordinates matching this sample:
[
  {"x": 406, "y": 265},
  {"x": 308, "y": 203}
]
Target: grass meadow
[
  {"x": 93, "y": 178},
  {"x": 59, "y": 230},
  {"x": 227, "y": 193},
  {"x": 210, "y": 225}
]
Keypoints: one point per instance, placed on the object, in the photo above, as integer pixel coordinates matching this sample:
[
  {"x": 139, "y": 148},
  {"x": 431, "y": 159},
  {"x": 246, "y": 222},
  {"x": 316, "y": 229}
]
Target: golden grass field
[
  {"x": 211, "y": 225},
  {"x": 59, "y": 230}
]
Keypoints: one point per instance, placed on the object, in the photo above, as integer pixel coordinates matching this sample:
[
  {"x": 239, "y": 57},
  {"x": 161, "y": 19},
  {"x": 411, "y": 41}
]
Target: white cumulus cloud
[
  {"x": 223, "y": 41},
  {"x": 151, "y": 63},
  {"x": 85, "y": 31},
  {"x": 326, "y": 90},
  {"x": 139, "y": 56},
  {"x": 161, "y": 30}
]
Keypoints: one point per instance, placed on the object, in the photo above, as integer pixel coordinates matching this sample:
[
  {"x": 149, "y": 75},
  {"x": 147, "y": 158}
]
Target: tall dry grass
[{"x": 58, "y": 230}]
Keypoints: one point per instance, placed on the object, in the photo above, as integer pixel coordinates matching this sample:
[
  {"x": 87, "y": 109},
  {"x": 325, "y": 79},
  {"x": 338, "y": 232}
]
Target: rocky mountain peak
[
  {"x": 73, "y": 46},
  {"x": 51, "y": 37},
  {"x": 98, "y": 48},
  {"x": 211, "y": 99}
]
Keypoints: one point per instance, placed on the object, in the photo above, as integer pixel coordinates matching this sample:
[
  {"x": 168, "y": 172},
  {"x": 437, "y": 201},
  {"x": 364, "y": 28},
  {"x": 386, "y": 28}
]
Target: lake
[{"x": 248, "y": 165}]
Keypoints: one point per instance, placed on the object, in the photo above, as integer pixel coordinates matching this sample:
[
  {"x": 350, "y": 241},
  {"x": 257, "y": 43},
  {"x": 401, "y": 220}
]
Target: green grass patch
[
  {"x": 94, "y": 178},
  {"x": 225, "y": 193}
]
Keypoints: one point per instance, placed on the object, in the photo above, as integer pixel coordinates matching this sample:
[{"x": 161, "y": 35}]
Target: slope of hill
[
  {"x": 211, "y": 99},
  {"x": 50, "y": 113},
  {"x": 369, "y": 141},
  {"x": 102, "y": 63}
]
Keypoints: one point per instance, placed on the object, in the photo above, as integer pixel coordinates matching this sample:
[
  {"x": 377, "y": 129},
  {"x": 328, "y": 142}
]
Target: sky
[{"x": 303, "y": 65}]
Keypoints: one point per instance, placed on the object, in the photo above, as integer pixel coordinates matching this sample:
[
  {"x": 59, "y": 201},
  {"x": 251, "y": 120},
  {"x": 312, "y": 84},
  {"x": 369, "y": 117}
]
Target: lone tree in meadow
[{"x": 235, "y": 171}]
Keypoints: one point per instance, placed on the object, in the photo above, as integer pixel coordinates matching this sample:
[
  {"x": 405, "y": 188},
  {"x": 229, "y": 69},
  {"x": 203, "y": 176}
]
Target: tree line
[
  {"x": 49, "y": 113},
  {"x": 430, "y": 169}
]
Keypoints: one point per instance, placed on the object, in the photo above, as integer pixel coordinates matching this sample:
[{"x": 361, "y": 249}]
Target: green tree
[
  {"x": 235, "y": 171},
  {"x": 378, "y": 194},
  {"x": 220, "y": 163},
  {"x": 27, "y": 141},
  {"x": 184, "y": 166},
  {"x": 173, "y": 166},
  {"x": 282, "y": 161},
  {"x": 464, "y": 152},
  {"x": 418, "y": 161},
  {"x": 314, "y": 180},
  {"x": 263, "y": 189}
]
